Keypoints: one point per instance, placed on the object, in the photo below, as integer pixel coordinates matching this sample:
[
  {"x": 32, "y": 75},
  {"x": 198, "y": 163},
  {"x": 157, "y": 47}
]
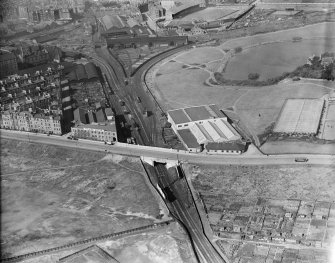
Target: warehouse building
[{"x": 206, "y": 128}]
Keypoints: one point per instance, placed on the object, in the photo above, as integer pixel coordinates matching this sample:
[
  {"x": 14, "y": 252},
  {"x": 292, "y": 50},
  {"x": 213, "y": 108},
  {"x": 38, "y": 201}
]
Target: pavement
[{"x": 168, "y": 154}]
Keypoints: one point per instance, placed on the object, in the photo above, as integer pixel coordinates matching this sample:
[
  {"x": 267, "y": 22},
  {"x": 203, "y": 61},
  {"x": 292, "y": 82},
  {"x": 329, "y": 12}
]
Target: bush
[
  {"x": 253, "y": 76},
  {"x": 238, "y": 49}
]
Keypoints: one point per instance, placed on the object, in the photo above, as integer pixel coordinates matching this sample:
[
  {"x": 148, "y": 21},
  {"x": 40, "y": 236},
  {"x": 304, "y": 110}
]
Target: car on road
[
  {"x": 138, "y": 99},
  {"x": 301, "y": 160}
]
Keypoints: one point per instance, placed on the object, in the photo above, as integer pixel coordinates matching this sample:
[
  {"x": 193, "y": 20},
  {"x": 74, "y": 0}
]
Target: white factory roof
[{"x": 214, "y": 131}]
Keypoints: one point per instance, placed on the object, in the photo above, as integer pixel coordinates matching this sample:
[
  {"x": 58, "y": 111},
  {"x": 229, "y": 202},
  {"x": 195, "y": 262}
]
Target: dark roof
[
  {"x": 82, "y": 72},
  {"x": 188, "y": 138},
  {"x": 80, "y": 115},
  {"x": 91, "y": 117},
  {"x": 91, "y": 70},
  {"x": 179, "y": 116},
  {"x": 198, "y": 113},
  {"x": 101, "y": 117},
  {"x": 7, "y": 56},
  {"x": 228, "y": 146}
]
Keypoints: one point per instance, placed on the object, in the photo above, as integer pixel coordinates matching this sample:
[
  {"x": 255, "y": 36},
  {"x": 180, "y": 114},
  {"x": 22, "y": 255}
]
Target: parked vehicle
[{"x": 301, "y": 159}]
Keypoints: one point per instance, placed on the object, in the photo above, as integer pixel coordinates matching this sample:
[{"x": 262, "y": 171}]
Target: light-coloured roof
[
  {"x": 201, "y": 138},
  {"x": 113, "y": 21}
]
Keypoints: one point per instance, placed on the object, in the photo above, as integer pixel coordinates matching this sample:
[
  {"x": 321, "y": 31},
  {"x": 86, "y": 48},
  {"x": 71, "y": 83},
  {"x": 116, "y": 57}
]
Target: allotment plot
[{"x": 300, "y": 116}]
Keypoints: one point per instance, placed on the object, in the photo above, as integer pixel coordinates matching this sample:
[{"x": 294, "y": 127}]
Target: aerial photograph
[{"x": 167, "y": 131}]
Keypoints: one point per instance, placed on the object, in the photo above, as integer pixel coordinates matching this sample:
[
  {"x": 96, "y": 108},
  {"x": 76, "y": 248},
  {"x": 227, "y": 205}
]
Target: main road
[{"x": 166, "y": 154}]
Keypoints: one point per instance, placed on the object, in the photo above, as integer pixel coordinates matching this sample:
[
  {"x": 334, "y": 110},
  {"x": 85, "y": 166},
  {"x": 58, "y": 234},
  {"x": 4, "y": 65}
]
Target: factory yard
[{"x": 53, "y": 196}]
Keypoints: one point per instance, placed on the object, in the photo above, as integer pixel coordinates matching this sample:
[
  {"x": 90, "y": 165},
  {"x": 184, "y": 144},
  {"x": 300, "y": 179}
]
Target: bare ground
[{"x": 52, "y": 196}]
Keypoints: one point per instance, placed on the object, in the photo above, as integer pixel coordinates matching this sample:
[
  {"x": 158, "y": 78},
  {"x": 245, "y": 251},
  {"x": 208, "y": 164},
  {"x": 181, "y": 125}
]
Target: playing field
[
  {"x": 260, "y": 107},
  {"x": 300, "y": 116},
  {"x": 210, "y": 14}
]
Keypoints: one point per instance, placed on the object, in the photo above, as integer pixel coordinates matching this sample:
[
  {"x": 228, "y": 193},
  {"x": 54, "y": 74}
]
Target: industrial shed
[{"x": 206, "y": 128}]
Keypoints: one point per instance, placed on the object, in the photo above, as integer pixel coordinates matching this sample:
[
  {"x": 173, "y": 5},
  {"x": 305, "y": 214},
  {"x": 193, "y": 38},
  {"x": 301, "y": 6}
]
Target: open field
[
  {"x": 200, "y": 55},
  {"x": 52, "y": 196},
  {"x": 186, "y": 87},
  {"x": 294, "y": 146},
  {"x": 167, "y": 245},
  {"x": 324, "y": 31},
  {"x": 272, "y": 60},
  {"x": 275, "y": 182},
  {"x": 210, "y": 14},
  {"x": 272, "y": 54},
  {"x": 260, "y": 107}
]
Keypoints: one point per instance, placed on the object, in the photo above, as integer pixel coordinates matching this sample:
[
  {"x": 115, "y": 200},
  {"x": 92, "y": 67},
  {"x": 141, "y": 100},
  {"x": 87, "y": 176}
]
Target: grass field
[
  {"x": 272, "y": 60},
  {"x": 200, "y": 55},
  {"x": 321, "y": 30},
  {"x": 186, "y": 88},
  {"x": 268, "y": 101},
  {"x": 52, "y": 196}
]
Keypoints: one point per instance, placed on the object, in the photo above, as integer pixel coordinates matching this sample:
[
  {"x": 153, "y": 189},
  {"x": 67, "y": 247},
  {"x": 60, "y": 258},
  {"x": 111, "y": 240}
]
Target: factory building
[{"x": 206, "y": 128}]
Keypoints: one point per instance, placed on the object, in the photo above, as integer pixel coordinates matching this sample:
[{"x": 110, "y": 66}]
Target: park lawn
[
  {"x": 68, "y": 195},
  {"x": 320, "y": 30},
  {"x": 272, "y": 60},
  {"x": 186, "y": 88},
  {"x": 200, "y": 55},
  {"x": 170, "y": 67},
  {"x": 268, "y": 101}
]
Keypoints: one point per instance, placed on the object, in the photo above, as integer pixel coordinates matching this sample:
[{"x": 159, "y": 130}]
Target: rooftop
[
  {"x": 188, "y": 138},
  {"x": 196, "y": 113},
  {"x": 105, "y": 126},
  {"x": 228, "y": 146}
]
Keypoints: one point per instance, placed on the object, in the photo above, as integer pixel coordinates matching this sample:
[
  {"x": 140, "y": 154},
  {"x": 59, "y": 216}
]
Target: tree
[
  {"x": 327, "y": 73},
  {"x": 253, "y": 76},
  {"x": 238, "y": 49}
]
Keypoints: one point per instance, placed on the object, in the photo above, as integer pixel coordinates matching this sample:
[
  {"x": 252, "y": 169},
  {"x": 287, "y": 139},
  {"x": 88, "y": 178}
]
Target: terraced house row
[{"x": 26, "y": 121}]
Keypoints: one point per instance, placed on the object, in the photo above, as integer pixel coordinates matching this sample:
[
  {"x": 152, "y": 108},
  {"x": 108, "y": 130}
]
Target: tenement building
[{"x": 27, "y": 121}]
